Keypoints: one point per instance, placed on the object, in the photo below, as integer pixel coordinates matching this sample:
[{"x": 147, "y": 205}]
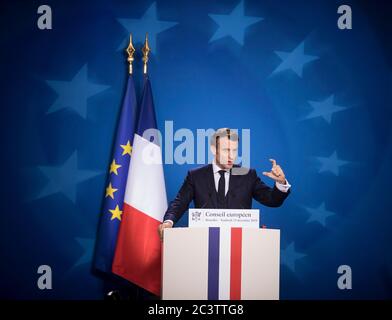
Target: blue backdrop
[{"x": 316, "y": 98}]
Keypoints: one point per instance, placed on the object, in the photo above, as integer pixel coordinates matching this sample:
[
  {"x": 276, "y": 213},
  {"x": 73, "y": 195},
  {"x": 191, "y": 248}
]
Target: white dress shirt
[
  {"x": 216, "y": 170},
  {"x": 282, "y": 187}
]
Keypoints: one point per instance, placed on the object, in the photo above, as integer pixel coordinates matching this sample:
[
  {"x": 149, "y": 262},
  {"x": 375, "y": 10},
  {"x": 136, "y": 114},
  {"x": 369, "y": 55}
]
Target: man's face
[{"x": 225, "y": 152}]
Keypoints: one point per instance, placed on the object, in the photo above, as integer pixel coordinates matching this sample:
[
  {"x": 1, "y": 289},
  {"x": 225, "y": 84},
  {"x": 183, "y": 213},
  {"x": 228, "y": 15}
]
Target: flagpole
[
  {"x": 130, "y": 50},
  {"x": 146, "y": 50}
]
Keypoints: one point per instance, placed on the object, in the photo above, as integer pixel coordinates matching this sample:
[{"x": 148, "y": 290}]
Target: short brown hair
[{"x": 224, "y": 132}]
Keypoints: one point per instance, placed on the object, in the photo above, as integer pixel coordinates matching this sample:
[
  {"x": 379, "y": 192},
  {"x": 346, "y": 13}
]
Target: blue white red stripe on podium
[{"x": 224, "y": 263}]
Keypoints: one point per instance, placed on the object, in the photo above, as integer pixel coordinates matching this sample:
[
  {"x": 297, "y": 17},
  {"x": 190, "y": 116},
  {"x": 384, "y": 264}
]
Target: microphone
[
  {"x": 113, "y": 295},
  {"x": 208, "y": 200}
]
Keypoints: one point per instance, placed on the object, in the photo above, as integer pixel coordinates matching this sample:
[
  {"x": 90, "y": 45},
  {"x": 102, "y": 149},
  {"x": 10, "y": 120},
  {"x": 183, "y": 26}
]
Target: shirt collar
[{"x": 215, "y": 167}]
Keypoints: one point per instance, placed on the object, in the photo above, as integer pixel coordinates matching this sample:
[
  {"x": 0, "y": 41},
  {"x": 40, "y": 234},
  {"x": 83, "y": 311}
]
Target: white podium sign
[
  {"x": 244, "y": 218},
  {"x": 220, "y": 264}
]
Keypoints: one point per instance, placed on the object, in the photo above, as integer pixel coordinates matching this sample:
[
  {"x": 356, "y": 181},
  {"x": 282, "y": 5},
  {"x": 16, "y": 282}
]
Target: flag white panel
[{"x": 145, "y": 184}]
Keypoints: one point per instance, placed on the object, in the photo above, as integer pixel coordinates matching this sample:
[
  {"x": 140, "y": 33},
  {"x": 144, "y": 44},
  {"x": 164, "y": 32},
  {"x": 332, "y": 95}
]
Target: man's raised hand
[{"x": 276, "y": 173}]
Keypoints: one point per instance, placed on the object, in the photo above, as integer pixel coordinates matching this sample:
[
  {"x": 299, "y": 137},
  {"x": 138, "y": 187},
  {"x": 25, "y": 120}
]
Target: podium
[{"x": 225, "y": 262}]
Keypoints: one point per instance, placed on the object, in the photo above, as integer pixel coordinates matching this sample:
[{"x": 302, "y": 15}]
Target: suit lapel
[
  {"x": 233, "y": 185},
  {"x": 234, "y": 182},
  {"x": 211, "y": 187}
]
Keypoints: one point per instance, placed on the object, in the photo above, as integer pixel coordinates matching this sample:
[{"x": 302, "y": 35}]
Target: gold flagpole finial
[
  {"x": 146, "y": 50},
  {"x": 130, "y": 50}
]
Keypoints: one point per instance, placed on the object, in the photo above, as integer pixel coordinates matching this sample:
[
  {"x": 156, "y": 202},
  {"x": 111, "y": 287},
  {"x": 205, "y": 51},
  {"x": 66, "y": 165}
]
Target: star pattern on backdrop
[
  {"x": 233, "y": 24},
  {"x": 331, "y": 163},
  {"x": 290, "y": 256},
  {"x": 87, "y": 244},
  {"x": 148, "y": 22},
  {"x": 319, "y": 214},
  {"x": 294, "y": 60},
  {"x": 75, "y": 93},
  {"x": 325, "y": 109},
  {"x": 64, "y": 178}
]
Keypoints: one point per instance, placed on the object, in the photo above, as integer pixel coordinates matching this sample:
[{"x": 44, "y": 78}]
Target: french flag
[{"x": 138, "y": 251}]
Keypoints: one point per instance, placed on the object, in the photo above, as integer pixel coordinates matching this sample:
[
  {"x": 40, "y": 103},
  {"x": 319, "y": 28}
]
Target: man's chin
[{"x": 228, "y": 166}]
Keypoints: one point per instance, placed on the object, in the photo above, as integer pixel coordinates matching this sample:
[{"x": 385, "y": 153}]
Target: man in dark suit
[{"x": 225, "y": 185}]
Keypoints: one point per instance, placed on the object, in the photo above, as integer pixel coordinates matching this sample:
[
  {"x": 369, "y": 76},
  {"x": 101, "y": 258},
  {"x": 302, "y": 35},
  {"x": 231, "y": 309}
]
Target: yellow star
[
  {"x": 116, "y": 213},
  {"x": 110, "y": 191},
  {"x": 127, "y": 148},
  {"x": 114, "y": 166}
]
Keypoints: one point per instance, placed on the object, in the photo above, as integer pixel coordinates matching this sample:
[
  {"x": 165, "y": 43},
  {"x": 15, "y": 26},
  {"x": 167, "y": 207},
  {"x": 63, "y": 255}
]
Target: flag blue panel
[{"x": 117, "y": 178}]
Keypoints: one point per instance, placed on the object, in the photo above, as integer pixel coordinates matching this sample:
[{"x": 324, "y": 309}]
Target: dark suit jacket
[{"x": 199, "y": 186}]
